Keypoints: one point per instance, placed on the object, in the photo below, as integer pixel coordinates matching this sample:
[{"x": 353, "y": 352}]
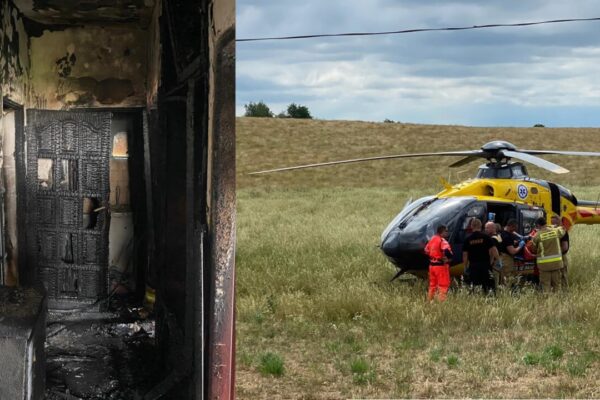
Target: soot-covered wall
[
  {"x": 191, "y": 145},
  {"x": 91, "y": 66},
  {"x": 14, "y": 56}
]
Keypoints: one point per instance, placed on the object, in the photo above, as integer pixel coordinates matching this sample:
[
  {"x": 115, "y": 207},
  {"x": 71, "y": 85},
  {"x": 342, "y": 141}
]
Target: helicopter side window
[
  {"x": 504, "y": 173},
  {"x": 528, "y": 218},
  {"x": 501, "y": 212},
  {"x": 518, "y": 171},
  {"x": 475, "y": 211}
]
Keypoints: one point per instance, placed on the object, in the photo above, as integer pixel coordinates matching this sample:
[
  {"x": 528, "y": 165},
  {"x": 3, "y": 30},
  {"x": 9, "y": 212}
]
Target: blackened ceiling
[{"x": 86, "y": 12}]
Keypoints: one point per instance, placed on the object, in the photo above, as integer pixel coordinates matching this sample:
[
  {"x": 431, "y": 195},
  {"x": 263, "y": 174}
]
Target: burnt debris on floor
[
  {"x": 22, "y": 330},
  {"x": 101, "y": 356}
]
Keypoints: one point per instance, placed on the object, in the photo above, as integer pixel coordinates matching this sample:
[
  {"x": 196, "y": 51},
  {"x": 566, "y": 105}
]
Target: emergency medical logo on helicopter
[{"x": 522, "y": 191}]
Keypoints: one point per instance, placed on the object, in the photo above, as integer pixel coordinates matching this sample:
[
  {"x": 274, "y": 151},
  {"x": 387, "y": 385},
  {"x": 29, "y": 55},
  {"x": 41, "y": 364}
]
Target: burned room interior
[{"x": 117, "y": 199}]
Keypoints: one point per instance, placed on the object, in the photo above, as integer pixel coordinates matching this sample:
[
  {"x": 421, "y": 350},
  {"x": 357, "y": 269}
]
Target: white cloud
[{"x": 377, "y": 77}]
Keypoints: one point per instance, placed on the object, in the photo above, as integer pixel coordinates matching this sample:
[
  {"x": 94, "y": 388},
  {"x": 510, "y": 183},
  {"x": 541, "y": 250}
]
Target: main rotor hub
[
  {"x": 494, "y": 152},
  {"x": 498, "y": 145}
]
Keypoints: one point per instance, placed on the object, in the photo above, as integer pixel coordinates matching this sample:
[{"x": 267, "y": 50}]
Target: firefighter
[
  {"x": 546, "y": 244},
  {"x": 510, "y": 244},
  {"x": 439, "y": 252},
  {"x": 479, "y": 251},
  {"x": 564, "y": 248},
  {"x": 491, "y": 229}
]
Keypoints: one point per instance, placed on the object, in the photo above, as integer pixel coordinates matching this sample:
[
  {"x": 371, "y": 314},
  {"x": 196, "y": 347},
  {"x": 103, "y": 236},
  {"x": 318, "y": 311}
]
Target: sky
[{"x": 515, "y": 76}]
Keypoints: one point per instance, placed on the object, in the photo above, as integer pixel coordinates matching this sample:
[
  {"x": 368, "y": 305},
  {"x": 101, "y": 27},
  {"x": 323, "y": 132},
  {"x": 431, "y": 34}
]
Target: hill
[{"x": 264, "y": 143}]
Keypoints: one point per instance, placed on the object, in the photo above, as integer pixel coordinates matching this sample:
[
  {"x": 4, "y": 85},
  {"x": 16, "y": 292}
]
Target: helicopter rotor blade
[
  {"x": 540, "y": 162},
  {"x": 466, "y": 160},
  {"x": 561, "y": 152},
  {"x": 464, "y": 153}
]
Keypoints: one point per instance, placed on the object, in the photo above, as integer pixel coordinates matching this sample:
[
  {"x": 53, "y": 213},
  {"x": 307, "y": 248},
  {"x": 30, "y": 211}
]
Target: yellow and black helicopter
[{"x": 502, "y": 190}]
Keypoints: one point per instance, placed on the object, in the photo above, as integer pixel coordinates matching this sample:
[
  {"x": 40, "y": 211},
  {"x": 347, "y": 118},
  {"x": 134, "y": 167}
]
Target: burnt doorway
[
  {"x": 11, "y": 198},
  {"x": 67, "y": 204}
]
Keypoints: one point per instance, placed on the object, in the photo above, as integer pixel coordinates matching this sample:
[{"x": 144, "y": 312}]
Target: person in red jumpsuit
[{"x": 439, "y": 251}]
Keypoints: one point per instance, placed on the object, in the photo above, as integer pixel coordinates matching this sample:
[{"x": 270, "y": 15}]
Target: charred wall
[
  {"x": 154, "y": 49},
  {"x": 180, "y": 66},
  {"x": 90, "y": 66},
  {"x": 191, "y": 148},
  {"x": 14, "y": 55},
  {"x": 77, "y": 66},
  {"x": 14, "y": 86},
  {"x": 174, "y": 272}
]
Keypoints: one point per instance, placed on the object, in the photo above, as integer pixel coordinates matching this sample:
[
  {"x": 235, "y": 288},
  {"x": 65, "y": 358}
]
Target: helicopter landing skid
[{"x": 401, "y": 271}]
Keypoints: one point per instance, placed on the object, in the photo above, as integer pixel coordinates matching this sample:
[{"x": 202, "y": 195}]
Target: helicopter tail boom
[{"x": 587, "y": 215}]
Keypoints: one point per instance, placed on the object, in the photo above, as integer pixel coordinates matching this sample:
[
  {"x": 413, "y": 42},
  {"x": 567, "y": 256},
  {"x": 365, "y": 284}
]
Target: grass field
[{"x": 316, "y": 314}]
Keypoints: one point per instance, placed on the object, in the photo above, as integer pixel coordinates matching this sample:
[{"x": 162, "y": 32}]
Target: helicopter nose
[
  {"x": 398, "y": 241},
  {"x": 404, "y": 249}
]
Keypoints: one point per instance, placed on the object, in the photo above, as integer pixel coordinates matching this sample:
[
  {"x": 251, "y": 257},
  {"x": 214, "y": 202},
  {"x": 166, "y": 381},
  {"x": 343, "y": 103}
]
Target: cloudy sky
[{"x": 547, "y": 74}]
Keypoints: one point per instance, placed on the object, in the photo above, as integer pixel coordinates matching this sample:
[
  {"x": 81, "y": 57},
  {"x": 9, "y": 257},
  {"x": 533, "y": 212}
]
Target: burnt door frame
[{"x": 24, "y": 272}]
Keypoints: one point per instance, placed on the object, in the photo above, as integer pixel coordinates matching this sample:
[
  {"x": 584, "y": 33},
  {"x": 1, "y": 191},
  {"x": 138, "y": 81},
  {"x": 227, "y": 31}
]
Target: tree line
[{"x": 260, "y": 109}]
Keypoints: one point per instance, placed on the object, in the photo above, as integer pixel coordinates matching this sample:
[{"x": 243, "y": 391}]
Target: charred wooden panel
[
  {"x": 68, "y": 164},
  {"x": 187, "y": 23}
]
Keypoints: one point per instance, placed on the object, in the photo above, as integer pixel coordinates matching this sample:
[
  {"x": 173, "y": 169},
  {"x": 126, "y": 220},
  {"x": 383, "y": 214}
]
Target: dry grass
[
  {"x": 313, "y": 288},
  {"x": 264, "y": 143}
]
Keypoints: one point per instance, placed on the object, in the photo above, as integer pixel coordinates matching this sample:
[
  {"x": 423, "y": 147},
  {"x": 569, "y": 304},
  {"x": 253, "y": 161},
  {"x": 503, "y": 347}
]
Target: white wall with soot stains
[{"x": 91, "y": 66}]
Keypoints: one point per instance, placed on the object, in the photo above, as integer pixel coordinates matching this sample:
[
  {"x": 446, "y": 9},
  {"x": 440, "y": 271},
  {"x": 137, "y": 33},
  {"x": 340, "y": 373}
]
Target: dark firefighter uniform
[
  {"x": 439, "y": 251},
  {"x": 549, "y": 258},
  {"x": 477, "y": 248},
  {"x": 564, "y": 243}
]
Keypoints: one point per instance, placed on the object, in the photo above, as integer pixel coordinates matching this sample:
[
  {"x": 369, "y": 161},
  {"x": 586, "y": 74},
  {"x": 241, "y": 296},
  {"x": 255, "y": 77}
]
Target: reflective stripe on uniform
[
  {"x": 548, "y": 259},
  {"x": 548, "y": 235}
]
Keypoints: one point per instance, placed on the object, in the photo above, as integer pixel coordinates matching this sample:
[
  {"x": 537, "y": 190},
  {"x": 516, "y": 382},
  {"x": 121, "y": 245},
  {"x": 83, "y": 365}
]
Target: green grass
[
  {"x": 452, "y": 360},
  {"x": 531, "y": 359},
  {"x": 361, "y": 372},
  {"x": 578, "y": 365},
  {"x": 553, "y": 352},
  {"x": 435, "y": 355},
  {"x": 359, "y": 366},
  {"x": 313, "y": 287},
  {"x": 320, "y": 293},
  {"x": 271, "y": 364}
]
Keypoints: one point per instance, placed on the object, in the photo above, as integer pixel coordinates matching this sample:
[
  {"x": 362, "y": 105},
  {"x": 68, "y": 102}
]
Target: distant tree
[
  {"x": 539, "y": 126},
  {"x": 388, "y": 121},
  {"x": 282, "y": 114},
  {"x": 298, "y": 111},
  {"x": 259, "y": 109}
]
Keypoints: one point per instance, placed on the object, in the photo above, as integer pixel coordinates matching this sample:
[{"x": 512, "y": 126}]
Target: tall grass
[{"x": 313, "y": 287}]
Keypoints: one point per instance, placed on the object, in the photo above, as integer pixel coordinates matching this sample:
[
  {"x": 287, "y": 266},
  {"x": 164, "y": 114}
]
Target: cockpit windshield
[
  {"x": 410, "y": 208},
  {"x": 507, "y": 171},
  {"x": 423, "y": 219}
]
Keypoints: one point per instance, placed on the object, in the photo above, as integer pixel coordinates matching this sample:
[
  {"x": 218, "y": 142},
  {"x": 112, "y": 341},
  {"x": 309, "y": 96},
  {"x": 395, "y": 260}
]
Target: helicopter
[{"x": 501, "y": 190}]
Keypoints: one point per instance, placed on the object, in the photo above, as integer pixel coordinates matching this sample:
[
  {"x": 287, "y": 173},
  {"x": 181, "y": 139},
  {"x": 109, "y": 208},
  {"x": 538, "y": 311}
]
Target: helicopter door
[
  {"x": 527, "y": 217},
  {"x": 476, "y": 210},
  {"x": 555, "y": 197},
  {"x": 501, "y": 212}
]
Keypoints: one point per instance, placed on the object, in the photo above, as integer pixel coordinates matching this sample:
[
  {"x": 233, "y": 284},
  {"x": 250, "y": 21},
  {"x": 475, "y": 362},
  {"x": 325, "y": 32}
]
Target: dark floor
[{"x": 100, "y": 355}]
